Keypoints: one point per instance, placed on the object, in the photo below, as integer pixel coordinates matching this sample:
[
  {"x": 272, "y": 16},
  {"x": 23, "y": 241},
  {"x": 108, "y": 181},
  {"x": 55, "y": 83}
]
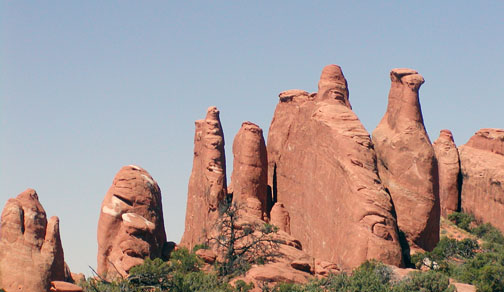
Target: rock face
[
  {"x": 280, "y": 217},
  {"x": 482, "y": 165},
  {"x": 131, "y": 225},
  {"x": 31, "y": 255},
  {"x": 449, "y": 169},
  {"x": 406, "y": 161},
  {"x": 322, "y": 167},
  {"x": 207, "y": 185},
  {"x": 59, "y": 286},
  {"x": 250, "y": 170}
]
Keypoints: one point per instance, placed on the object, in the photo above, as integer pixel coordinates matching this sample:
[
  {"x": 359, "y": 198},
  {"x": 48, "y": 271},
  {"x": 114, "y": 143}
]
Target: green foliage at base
[
  {"x": 462, "y": 260},
  {"x": 371, "y": 276},
  {"x": 423, "y": 282},
  {"x": 181, "y": 274},
  {"x": 462, "y": 220},
  {"x": 458, "y": 260}
]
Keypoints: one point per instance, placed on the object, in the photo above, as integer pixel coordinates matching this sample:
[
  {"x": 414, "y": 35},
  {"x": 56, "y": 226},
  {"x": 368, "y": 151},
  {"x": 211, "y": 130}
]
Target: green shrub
[
  {"x": 490, "y": 278},
  {"x": 462, "y": 220},
  {"x": 181, "y": 260},
  {"x": 466, "y": 248},
  {"x": 151, "y": 273},
  {"x": 371, "y": 276},
  {"x": 488, "y": 233},
  {"x": 200, "y": 246},
  {"x": 429, "y": 281}
]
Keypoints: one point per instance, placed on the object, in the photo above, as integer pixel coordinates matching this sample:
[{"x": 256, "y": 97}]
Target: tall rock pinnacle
[
  {"x": 406, "y": 161},
  {"x": 207, "y": 185},
  {"x": 449, "y": 169},
  {"x": 250, "y": 170},
  {"x": 322, "y": 168}
]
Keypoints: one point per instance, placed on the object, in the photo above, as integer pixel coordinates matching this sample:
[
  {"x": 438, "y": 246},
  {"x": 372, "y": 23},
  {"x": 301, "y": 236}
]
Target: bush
[
  {"x": 424, "y": 282},
  {"x": 462, "y": 220},
  {"x": 488, "y": 233},
  {"x": 241, "y": 244},
  {"x": 484, "y": 270},
  {"x": 152, "y": 273},
  {"x": 490, "y": 278},
  {"x": 181, "y": 260},
  {"x": 200, "y": 246}
]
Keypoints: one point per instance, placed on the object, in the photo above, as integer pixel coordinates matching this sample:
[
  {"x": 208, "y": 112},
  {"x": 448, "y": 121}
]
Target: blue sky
[{"x": 89, "y": 86}]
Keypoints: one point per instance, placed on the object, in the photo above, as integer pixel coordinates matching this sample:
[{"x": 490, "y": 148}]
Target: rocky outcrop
[
  {"x": 280, "y": 217},
  {"x": 322, "y": 167},
  {"x": 207, "y": 185},
  {"x": 31, "y": 255},
  {"x": 482, "y": 166},
  {"x": 59, "y": 286},
  {"x": 288, "y": 263},
  {"x": 449, "y": 170},
  {"x": 406, "y": 161},
  {"x": 131, "y": 225},
  {"x": 250, "y": 170}
]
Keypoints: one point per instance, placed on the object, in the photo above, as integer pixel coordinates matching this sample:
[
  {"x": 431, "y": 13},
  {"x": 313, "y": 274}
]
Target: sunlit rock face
[
  {"x": 31, "y": 255},
  {"x": 131, "y": 225},
  {"x": 449, "y": 172},
  {"x": 322, "y": 168},
  {"x": 207, "y": 184},
  {"x": 482, "y": 166},
  {"x": 406, "y": 162},
  {"x": 250, "y": 170}
]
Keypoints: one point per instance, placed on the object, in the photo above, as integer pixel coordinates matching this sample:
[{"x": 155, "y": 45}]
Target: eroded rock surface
[
  {"x": 482, "y": 165},
  {"x": 131, "y": 225},
  {"x": 31, "y": 255},
  {"x": 449, "y": 169},
  {"x": 60, "y": 286},
  {"x": 406, "y": 161},
  {"x": 322, "y": 167},
  {"x": 280, "y": 217},
  {"x": 207, "y": 185},
  {"x": 250, "y": 170}
]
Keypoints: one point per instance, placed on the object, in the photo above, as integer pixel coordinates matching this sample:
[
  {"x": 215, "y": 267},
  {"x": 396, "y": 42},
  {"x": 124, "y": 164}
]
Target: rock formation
[
  {"x": 280, "y": 217},
  {"x": 482, "y": 166},
  {"x": 131, "y": 225},
  {"x": 248, "y": 195},
  {"x": 207, "y": 185},
  {"x": 31, "y": 255},
  {"x": 322, "y": 167},
  {"x": 60, "y": 286},
  {"x": 406, "y": 161},
  {"x": 250, "y": 170},
  {"x": 449, "y": 169}
]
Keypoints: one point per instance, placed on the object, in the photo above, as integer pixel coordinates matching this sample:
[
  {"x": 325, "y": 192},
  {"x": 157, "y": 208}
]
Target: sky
[{"x": 87, "y": 87}]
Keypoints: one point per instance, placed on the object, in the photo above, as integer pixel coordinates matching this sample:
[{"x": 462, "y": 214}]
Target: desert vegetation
[{"x": 478, "y": 261}]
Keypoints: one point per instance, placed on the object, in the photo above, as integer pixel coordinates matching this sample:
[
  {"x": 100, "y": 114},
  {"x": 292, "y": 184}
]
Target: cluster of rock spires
[{"x": 338, "y": 196}]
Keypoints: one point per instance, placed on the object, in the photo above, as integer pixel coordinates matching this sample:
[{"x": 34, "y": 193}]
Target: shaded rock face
[
  {"x": 207, "y": 185},
  {"x": 31, "y": 255},
  {"x": 482, "y": 166},
  {"x": 406, "y": 161},
  {"x": 449, "y": 169},
  {"x": 131, "y": 225},
  {"x": 250, "y": 170},
  {"x": 322, "y": 167}
]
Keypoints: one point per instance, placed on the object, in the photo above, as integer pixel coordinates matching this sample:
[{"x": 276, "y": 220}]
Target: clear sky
[{"x": 87, "y": 87}]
